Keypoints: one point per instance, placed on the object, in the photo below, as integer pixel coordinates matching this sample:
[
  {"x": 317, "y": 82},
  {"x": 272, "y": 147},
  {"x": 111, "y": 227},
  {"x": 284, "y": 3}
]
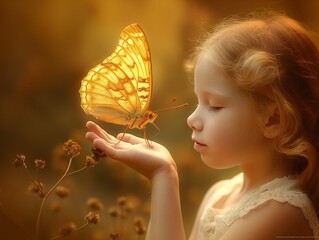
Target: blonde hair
[{"x": 274, "y": 59}]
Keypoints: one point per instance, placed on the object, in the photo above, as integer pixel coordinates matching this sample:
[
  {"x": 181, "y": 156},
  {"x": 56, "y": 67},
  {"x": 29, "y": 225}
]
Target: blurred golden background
[{"x": 47, "y": 47}]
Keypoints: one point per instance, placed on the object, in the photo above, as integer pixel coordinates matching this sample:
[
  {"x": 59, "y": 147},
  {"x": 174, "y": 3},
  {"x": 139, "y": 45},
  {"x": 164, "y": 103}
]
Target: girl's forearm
[{"x": 166, "y": 216}]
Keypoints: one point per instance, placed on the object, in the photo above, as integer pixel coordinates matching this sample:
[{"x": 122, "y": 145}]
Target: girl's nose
[{"x": 194, "y": 122}]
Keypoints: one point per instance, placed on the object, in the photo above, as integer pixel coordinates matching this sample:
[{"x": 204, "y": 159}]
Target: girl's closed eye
[{"x": 215, "y": 108}]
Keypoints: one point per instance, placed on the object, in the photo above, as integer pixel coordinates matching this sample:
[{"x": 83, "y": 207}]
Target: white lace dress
[{"x": 215, "y": 222}]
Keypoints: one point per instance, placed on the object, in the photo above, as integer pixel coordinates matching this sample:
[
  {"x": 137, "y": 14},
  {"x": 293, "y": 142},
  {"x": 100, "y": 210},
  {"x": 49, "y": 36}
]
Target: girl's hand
[{"x": 133, "y": 151}]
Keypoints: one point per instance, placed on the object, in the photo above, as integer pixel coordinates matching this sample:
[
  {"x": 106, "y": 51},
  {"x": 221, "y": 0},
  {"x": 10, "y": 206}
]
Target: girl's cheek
[{"x": 224, "y": 133}]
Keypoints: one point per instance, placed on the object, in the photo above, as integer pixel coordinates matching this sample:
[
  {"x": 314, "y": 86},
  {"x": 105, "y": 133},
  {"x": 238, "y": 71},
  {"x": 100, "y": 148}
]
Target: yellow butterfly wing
[{"x": 119, "y": 89}]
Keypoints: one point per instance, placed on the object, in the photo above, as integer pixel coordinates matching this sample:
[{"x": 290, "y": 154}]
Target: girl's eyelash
[
  {"x": 214, "y": 108},
  {"x": 211, "y": 108}
]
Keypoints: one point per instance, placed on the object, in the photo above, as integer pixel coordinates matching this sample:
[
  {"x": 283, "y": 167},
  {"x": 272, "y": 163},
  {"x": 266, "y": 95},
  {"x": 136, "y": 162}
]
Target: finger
[
  {"x": 93, "y": 127},
  {"x": 110, "y": 150},
  {"x": 91, "y": 136},
  {"x": 117, "y": 152},
  {"x": 130, "y": 138}
]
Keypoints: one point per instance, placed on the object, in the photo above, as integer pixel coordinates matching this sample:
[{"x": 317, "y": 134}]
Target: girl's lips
[{"x": 198, "y": 146}]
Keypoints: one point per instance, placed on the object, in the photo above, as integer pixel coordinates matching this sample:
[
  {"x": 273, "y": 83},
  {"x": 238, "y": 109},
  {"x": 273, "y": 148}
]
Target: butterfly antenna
[{"x": 164, "y": 107}]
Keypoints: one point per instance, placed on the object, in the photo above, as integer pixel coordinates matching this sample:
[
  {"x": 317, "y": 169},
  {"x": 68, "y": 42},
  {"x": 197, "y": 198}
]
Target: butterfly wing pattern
[{"x": 119, "y": 89}]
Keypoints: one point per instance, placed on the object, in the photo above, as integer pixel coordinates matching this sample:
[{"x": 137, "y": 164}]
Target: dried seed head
[
  {"x": 122, "y": 201},
  {"x": 71, "y": 148},
  {"x": 39, "y": 163},
  {"x": 55, "y": 206},
  {"x": 138, "y": 221},
  {"x": 62, "y": 191},
  {"x": 97, "y": 153},
  {"x": 114, "y": 236},
  {"x": 95, "y": 204},
  {"x": 92, "y": 217},
  {"x": 37, "y": 187},
  {"x": 140, "y": 230},
  {"x": 20, "y": 160},
  {"x": 90, "y": 161},
  {"x": 129, "y": 207},
  {"x": 139, "y": 226},
  {"x": 67, "y": 228},
  {"x": 114, "y": 212}
]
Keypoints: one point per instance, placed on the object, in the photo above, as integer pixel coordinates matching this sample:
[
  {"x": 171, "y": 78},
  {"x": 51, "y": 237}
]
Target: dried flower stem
[
  {"x": 46, "y": 197},
  {"x": 77, "y": 229},
  {"x": 76, "y": 171},
  {"x": 36, "y": 184},
  {"x": 37, "y": 175}
]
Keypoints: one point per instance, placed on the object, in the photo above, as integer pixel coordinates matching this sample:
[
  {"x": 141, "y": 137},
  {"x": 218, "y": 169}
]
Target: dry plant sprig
[
  {"x": 35, "y": 188},
  {"x": 97, "y": 153},
  {"x": 120, "y": 213},
  {"x": 91, "y": 218},
  {"x": 114, "y": 236},
  {"x": 20, "y": 160},
  {"x": 40, "y": 164},
  {"x": 66, "y": 229},
  {"x": 91, "y": 161},
  {"x": 95, "y": 204},
  {"x": 139, "y": 226},
  {"x": 62, "y": 191},
  {"x": 71, "y": 150}
]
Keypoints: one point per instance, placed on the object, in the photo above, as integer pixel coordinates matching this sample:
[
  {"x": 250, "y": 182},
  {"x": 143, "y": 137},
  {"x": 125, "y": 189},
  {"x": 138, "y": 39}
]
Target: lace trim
[
  {"x": 279, "y": 190},
  {"x": 208, "y": 224},
  {"x": 283, "y": 190}
]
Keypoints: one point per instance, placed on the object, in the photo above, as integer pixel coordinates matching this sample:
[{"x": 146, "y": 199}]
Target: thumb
[{"x": 130, "y": 138}]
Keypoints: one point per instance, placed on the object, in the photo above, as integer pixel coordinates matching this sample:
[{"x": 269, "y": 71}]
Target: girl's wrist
[{"x": 168, "y": 173}]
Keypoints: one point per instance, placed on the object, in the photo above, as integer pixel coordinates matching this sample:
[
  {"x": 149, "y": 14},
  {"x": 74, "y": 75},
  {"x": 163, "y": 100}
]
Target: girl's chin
[{"x": 216, "y": 163}]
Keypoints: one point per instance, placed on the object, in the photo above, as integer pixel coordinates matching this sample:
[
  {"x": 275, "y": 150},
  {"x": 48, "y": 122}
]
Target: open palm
[{"x": 133, "y": 151}]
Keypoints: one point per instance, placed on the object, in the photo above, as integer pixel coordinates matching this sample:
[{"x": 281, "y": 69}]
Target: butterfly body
[
  {"x": 119, "y": 89},
  {"x": 132, "y": 120}
]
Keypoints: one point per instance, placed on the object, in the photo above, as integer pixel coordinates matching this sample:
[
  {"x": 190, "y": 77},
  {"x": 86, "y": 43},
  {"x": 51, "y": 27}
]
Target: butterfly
[{"x": 119, "y": 89}]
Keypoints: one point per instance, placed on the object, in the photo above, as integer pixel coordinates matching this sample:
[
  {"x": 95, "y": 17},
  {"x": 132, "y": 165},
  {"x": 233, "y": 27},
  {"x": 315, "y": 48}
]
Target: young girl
[{"x": 257, "y": 85}]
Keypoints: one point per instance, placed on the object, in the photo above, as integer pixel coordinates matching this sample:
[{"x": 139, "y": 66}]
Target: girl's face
[{"x": 225, "y": 125}]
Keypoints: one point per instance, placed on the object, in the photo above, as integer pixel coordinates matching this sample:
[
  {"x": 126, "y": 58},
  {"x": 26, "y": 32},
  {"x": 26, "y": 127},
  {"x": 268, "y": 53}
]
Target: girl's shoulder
[
  {"x": 282, "y": 198},
  {"x": 270, "y": 221},
  {"x": 278, "y": 207}
]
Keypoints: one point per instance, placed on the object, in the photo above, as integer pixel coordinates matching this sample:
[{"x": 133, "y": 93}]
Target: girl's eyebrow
[
  {"x": 214, "y": 93},
  {"x": 211, "y": 92}
]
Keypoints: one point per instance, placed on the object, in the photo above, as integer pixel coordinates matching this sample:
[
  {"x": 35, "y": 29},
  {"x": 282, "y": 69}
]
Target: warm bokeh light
[{"x": 47, "y": 47}]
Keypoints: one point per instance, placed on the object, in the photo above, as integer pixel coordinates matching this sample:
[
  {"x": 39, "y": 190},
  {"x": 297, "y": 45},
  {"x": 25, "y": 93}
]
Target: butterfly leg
[
  {"x": 148, "y": 143},
  {"x": 125, "y": 131},
  {"x": 158, "y": 130}
]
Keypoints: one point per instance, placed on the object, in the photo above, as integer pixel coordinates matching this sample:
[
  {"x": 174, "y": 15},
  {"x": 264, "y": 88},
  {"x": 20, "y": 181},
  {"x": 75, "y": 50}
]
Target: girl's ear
[{"x": 271, "y": 121}]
